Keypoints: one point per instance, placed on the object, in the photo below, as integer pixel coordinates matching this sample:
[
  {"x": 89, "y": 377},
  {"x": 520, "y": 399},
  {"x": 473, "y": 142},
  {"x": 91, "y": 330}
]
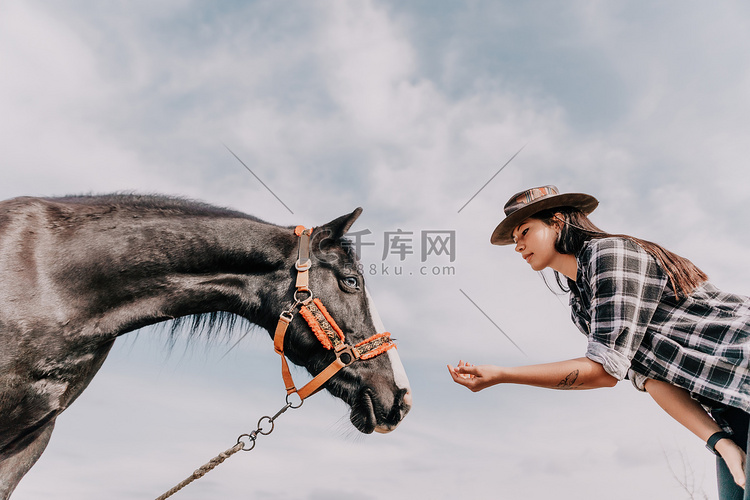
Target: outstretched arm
[
  {"x": 580, "y": 373},
  {"x": 687, "y": 411}
]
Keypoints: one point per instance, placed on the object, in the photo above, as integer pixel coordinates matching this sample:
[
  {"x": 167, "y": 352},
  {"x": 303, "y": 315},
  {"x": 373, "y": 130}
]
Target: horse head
[{"x": 375, "y": 387}]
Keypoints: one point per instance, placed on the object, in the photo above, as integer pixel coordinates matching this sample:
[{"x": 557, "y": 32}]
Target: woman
[{"x": 650, "y": 316}]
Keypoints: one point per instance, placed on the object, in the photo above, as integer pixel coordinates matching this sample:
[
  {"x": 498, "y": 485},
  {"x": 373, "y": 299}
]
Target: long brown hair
[{"x": 577, "y": 229}]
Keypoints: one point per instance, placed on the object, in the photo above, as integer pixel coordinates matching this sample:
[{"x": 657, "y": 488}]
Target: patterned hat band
[
  {"x": 527, "y": 203},
  {"x": 526, "y": 197}
]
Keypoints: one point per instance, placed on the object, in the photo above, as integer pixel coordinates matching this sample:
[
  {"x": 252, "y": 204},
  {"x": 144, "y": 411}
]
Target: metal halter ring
[
  {"x": 260, "y": 425},
  {"x": 251, "y": 439},
  {"x": 292, "y": 406},
  {"x": 303, "y": 265},
  {"x": 302, "y": 301},
  {"x": 347, "y": 355}
]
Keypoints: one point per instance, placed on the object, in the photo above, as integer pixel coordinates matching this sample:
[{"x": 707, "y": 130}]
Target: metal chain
[{"x": 246, "y": 442}]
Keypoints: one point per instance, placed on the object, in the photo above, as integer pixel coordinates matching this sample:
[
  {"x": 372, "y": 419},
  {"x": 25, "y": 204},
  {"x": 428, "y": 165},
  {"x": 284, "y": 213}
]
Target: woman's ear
[{"x": 559, "y": 221}]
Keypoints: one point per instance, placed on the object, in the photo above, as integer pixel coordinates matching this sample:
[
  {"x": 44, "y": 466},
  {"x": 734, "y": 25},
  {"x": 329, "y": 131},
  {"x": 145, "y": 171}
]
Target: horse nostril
[
  {"x": 403, "y": 400},
  {"x": 407, "y": 398}
]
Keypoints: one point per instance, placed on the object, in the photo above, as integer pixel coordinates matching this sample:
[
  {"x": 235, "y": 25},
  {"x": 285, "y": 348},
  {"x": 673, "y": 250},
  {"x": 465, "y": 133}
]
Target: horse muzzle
[
  {"x": 402, "y": 409},
  {"x": 370, "y": 414}
]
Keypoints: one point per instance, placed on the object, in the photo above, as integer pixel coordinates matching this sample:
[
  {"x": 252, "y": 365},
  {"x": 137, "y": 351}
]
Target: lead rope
[
  {"x": 201, "y": 471},
  {"x": 246, "y": 442}
]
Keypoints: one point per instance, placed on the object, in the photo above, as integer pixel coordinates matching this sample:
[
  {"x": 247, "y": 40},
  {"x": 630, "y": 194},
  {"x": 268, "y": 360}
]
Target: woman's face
[{"x": 535, "y": 241}]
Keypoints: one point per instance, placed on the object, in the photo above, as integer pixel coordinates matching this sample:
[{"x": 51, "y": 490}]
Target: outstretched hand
[{"x": 475, "y": 378}]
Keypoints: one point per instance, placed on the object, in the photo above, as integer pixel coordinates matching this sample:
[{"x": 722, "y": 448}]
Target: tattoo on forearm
[{"x": 569, "y": 381}]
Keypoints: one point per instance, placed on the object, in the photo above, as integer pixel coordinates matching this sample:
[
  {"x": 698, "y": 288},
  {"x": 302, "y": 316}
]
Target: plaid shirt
[{"x": 623, "y": 301}]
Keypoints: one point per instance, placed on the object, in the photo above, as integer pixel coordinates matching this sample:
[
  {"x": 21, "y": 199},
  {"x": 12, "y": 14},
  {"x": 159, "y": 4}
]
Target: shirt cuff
[
  {"x": 638, "y": 380},
  {"x": 613, "y": 362}
]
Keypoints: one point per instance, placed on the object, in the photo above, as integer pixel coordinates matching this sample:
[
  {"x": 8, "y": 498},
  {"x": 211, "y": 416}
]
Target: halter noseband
[{"x": 323, "y": 326}]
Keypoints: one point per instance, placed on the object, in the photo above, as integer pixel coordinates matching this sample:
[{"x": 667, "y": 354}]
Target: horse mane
[
  {"x": 213, "y": 326},
  {"x": 154, "y": 202}
]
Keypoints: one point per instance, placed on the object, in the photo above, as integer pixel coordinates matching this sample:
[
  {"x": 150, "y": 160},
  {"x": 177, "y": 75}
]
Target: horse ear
[
  {"x": 329, "y": 235},
  {"x": 338, "y": 227}
]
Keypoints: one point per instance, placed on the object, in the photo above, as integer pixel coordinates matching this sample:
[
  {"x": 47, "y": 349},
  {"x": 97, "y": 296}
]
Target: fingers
[
  {"x": 461, "y": 375},
  {"x": 465, "y": 368},
  {"x": 735, "y": 461},
  {"x": 740, "y": 477}
]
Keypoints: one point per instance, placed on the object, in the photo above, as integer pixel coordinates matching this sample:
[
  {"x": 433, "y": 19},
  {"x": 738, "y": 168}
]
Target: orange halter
[{"x": 323, "y": 326}]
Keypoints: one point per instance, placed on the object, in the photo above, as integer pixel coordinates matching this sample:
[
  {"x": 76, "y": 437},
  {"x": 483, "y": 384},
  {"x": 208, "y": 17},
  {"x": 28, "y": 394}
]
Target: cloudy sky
[{"x": 410, "y": 110}]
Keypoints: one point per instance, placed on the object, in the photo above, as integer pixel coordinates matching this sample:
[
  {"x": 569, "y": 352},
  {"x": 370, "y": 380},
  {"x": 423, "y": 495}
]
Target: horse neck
[{"x": 129, "y": 269}]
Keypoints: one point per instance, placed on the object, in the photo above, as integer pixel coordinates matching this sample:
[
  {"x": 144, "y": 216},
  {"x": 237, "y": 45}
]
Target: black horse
[{"x": 77, "y": 272}]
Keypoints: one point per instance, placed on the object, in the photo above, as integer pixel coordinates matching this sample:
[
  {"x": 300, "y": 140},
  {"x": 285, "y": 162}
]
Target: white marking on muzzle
[{"x": 399, "y": 374}]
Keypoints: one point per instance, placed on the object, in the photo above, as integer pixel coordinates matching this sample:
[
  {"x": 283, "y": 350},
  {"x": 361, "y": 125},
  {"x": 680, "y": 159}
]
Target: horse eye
[{"x": 351, "y": 282}]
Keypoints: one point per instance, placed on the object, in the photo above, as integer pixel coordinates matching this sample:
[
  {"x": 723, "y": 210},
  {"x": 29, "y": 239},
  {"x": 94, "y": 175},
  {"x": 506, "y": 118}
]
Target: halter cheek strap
[{"x": 323, "y": 326}]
